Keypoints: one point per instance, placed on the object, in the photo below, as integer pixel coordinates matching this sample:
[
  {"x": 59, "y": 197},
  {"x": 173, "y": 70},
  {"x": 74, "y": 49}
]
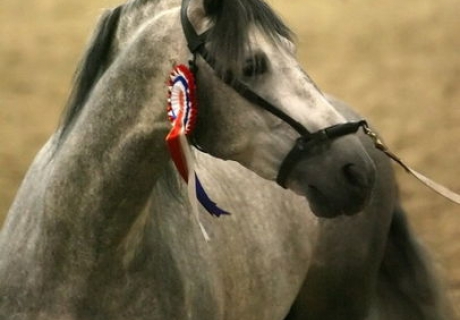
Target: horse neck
[
  {"x": 83, "y": 195},
  {"x": 138, "y": 12},
  {"x": 99, "y": 179}
]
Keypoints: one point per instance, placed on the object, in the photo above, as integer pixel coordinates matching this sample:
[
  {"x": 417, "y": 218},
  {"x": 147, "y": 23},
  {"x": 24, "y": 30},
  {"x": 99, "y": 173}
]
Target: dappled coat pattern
[{"x": 100, "y": 228}]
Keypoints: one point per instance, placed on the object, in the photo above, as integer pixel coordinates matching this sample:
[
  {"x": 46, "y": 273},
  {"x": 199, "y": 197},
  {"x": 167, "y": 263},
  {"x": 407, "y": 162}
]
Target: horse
[{"x": 101, "y": 227}]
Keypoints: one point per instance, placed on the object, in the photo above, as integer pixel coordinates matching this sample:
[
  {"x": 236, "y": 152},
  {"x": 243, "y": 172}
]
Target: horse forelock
[{"x": 232, "y": 19}]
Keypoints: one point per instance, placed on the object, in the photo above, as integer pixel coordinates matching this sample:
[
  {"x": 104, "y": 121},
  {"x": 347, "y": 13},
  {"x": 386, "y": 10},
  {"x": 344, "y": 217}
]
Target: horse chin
[
  {"x": 337, "y": 178},
  {"x": 329, "y": 205},
  {"x": 324, "y": 206}
]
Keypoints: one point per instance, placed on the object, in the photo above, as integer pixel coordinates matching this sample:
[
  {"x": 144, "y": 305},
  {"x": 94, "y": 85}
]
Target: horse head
[{"x": 245, "y": 43}]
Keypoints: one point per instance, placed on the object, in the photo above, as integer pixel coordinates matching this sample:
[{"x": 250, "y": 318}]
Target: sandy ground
[{"x": 397, "y": 62}]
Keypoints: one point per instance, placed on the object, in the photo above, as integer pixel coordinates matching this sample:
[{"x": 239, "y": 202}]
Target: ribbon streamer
[{"x": 182, "y": 112}]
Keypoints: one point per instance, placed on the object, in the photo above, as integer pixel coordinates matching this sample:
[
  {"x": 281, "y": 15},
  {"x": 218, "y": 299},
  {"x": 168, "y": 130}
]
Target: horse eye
[{"x": 255, "y": 66}]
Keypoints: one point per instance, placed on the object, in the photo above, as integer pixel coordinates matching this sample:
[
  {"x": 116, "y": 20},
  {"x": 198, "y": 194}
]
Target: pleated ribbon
[{"x": 182, "y": 112}]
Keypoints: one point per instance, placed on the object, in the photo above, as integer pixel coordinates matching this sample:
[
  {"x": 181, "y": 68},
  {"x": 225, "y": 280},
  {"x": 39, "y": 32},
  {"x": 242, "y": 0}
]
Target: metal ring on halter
[{"x": 196, "y": 44}]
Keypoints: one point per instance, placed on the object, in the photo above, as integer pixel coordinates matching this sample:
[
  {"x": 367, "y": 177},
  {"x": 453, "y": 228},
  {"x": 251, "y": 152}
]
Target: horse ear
[{"x": 211, "y": 7}]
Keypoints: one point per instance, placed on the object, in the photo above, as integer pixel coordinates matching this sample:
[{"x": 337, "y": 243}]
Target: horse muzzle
[{"x": 337, "y": 176}]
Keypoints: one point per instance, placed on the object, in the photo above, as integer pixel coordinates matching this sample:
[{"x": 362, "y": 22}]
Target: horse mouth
[{"x": 330, "y": 206}]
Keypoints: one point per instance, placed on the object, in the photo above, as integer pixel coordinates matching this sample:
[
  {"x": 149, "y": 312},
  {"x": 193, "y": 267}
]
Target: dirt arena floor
[{"x": 397, "y": 62}]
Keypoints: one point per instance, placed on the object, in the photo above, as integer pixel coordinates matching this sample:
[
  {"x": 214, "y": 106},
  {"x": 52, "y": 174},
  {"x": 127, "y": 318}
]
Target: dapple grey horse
[{"x": 101, "y": 226}]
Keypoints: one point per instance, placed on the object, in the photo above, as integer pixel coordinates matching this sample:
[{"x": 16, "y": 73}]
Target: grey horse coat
[{"x": 101, "y": 229}]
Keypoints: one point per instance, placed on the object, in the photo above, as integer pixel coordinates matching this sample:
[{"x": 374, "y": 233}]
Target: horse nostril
[{"x": 355, "y": 176}]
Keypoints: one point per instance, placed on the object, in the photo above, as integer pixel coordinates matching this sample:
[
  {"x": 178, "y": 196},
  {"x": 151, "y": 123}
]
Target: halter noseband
[{"x": 196, "y": 44}]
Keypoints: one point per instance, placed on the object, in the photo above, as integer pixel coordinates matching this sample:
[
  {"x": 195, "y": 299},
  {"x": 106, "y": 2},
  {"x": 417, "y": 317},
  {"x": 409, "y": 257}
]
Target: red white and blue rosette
[{"x": 182, "y": 112}]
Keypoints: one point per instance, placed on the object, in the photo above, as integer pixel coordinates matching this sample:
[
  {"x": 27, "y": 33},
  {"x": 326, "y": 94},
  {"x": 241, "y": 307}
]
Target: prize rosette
[{"x": 182, "y": 112}]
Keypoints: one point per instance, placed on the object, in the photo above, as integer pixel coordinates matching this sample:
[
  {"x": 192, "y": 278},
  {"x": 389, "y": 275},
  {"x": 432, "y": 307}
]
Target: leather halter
[{"x": 196, "y": 44}]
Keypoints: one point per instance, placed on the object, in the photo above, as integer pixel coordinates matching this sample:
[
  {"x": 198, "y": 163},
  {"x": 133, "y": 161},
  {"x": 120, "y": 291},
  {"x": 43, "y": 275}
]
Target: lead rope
[{"x": 443, "y": 191}]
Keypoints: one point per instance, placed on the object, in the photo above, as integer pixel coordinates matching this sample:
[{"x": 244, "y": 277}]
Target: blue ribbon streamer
[{"x": 206, "y": 202}]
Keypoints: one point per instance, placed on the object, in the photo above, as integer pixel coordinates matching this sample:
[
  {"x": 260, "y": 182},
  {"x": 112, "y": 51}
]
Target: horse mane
[
  {"x": 229, "y": 41},
  {"x": 229, "y": 38},
  {"x": 92, "y": 65}
]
